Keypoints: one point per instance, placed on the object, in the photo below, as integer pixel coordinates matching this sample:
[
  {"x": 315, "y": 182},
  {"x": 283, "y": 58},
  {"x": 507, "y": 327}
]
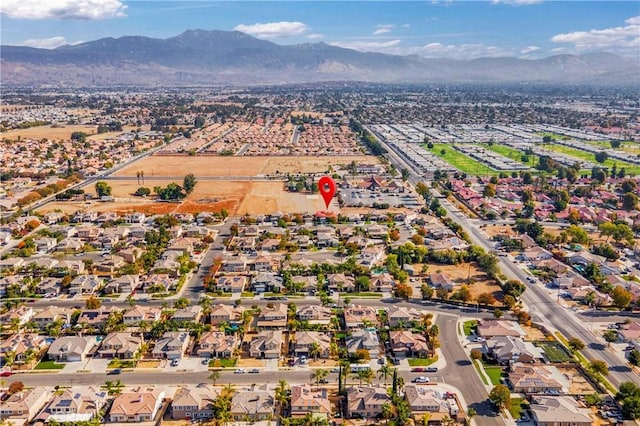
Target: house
[
  {"x": 70, "y": 348},
  {"x": 438, "y": 279},
  {"x": 266, "y": 345},
  {"x": 364, "y": 339},
  {"x": 171, "y": 346},
  {"x": 94, "y": 318},
  {"x": 138, "y": 314},
  {"x": 559, "y": 410},
  {"x": 306, "y": 284},
  {"x": 508, "y": 349},
  {"x": 21, "y": 315},
  {"x": 77, "y": 404},
  {"x": 366, "y": 401},
  {"x": 22, "y": 407},
  {"x": 136, "y": 406},
  {"x": 305, "y": 399},
  {"x": 235, "y": 264},
  {"x": 571, "y": 280},
  {"x": 123, "y": 284},
  {"x": 120, "y": 345},
  {"x": 424, "y": 399},
  {"x": 305, "y": 341},
  {"x": 85, "y": 284},
  {"x": 399, "y": 316},
  {"x": 630, "y": 332},
  {"x": 360, "y": 316},
  {"x": 158, "y": 283},
  {"x": 255, "y": 404},
  {"x": 194, "y": 402},
  {"x": 404, "y": 343},
  {"x": 226, "y": 313},
  {"x": 189, "y": 314},
  {"x": 231, "y": 283},
  {"x": 315, "y": 314},
  {"x": 217, "y": 344},
  {"x": 45, "y": 244},
  {"x": 536, "y": 379},
  {"x": 265, "y": 264},
  {"x": 273, "y": 317},
  {"x": 536, "y": 253},
  {"x": 21, "y": 345},
  {"x": 266, "y": 281},
  {"x": 50, "y": 315},
  {"x": 489, "y": 328},
  {"x": 340, "y": 282},
  {"x": 383, "y": 283}
]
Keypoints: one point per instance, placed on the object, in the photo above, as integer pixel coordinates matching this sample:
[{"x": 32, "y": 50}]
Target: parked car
[
  {"x": 205, "y": 361},
  {"x": 417, "y": 370},
  {"x": 431, "y": 370},
  {"x": 254, "y": 371},
  {"x": 240, "y": 371},
  {"x": 5, "y": 373},
  {"x": 114, "y": 371},
  {"x": 175, "y": 362},
  {"x": 421, "y": 379}
]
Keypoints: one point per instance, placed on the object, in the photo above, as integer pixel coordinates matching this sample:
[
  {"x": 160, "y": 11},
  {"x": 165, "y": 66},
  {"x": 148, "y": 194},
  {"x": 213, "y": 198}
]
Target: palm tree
[
  {"x": 314, "y": 350},
  {"x": 282, "y": 395},
  {"x": 425, "y": 418},
  {"x": 319, "y": 374},
  {"x": 366, "y": 375},
  {"x": 434, "y": 331},
  {"x": 471, "y": 412},
  {"x": 214, "y": 376},
  {"x": 384, "y": 372},
  {"x": 387, "y": 412}
]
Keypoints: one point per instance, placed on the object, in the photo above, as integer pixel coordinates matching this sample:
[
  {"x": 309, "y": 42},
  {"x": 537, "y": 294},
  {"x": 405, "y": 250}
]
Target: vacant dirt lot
[
  {"x": 579, "y": 385},
  {"x": 235, "y": 166}
]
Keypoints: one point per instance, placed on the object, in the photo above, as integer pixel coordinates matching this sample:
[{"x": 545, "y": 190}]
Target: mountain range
[{"x": 199, "y": 57}]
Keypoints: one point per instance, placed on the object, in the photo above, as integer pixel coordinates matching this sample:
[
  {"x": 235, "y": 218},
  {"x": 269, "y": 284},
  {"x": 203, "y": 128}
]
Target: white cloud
[
  {"x": 315, "y": 36},
  {"x": 273, "y": 29},
  {"x": 45, "y": 43},
  {"x": 460, "y": 51},
  {"x": 382, "y": 29},
  {"x": 62, "y": 9},
  {"x": 516, "y": 2},
  {"x": 623, "y": 40},
  {"x": 406, "y": 25},
  {"x": 529, "y": 49},
  {"x": 368, "y": 46}
]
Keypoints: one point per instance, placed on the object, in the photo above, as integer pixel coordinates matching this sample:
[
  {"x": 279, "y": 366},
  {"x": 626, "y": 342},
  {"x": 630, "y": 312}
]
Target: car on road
[
  {"x": 479, "y": 339},
  {"x": 421, "y": 379},
  {"x": 417, "y": 370},
  {"x": 205, "y": 361},
  {"x": 254, "y": 371},
  {"x": 240, "y": 371},
  {"x": 5, "y": 373},
  {"x": 115, "y": 371},
  {"x": 431, "y": 370},
  {"x": 335, "y": 370},
  {"x": 175, "y": 362},
  {"x": 324, "y": 381}
]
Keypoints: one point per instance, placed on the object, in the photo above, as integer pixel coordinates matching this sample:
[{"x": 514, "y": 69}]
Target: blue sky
[{"x": 461, "y": 30}]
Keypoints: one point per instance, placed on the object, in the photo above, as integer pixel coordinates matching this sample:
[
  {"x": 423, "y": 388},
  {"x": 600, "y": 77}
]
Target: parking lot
[{"x": 366, "y": 198}]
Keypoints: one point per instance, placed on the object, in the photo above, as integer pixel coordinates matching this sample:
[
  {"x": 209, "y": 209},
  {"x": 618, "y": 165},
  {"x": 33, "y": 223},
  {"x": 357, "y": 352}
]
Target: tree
[
  {"x": 630, "y": 201},
  {"x": 489, "y": 191},
  {"x": 15, "y": 387},
  {"x": 142, "y": 192},
  {"x": 199, "y": 122},
  {"x": 93, "y": 303},
  {"x": 426, "y": 291},
  {"x": 610, "y": 336},
  {"x": 405, "y": 174},
  {"x": 601, "y": 156},
  {"x": 384, "y": 372},
  {"x": 319, "y": 374},
  {"x": 181, "y": 303},
  {"x": 497, "y": 313},
  {"x": 314, "y": 350},
  {"x": 365, "y": 374},
  {"x": 403, "y": 291},
  {"x": 102, "y": 189},
  {"x": 500, "y": 395},
  {"x": 599, "y": 366},
  {"x": 621, "y": 297},
  {"x": 514, "y": 288},
  {"x": 79, "y": 136},
  {"x": 214, "y": 376},
  {"x": 476, "y": 354},
  {"x": 282, "y": 395},
  {"x": 387, "y": 412},
  {"x": 189, "y": 183},
  {"x": 575, "y": 344},
  {"x": 634, "y": 357},
  {"x": 631, "y": 408}
]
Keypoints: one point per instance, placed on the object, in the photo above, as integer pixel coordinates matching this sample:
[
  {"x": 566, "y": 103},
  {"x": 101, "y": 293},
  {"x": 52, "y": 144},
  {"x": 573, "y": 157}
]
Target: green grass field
[
  {"x": 49, "y": 365},
  {"x": 494, "y": 373},
  {"x": 555, "y": 352},
  {"x": 460, "y": 161},
  {"x": 587, "y": 156},
  {"x": 516, "y": 407},
  {"x": 468, "y": 325},
  {"x": 422, "y": 362},
  {"x": 508, "y": 152}
]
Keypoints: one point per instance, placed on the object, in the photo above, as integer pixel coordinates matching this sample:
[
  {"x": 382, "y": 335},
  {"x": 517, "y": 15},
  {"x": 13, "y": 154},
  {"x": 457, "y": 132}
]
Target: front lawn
[
  {"x": 494, "y": 373},
  {"x": 49, "y": 365},
  {"x": 555, "y": 352},
  {"x": 422, "y": 362},
  {"x": 119, "y": 363},
  {"x": 224, "y": 363},
  {"x": 468, "y": 325},
  {"x": 517, "y": 407}
]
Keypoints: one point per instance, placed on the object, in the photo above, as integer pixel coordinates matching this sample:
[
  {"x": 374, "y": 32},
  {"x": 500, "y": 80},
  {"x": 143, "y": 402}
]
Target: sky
[{"x": 434, "y": 29}]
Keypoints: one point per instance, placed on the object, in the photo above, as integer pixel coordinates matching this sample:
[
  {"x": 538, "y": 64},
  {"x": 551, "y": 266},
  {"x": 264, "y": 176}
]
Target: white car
[
  {"x": 421, "y": 379},
  {"x": 240, "y": 371}
]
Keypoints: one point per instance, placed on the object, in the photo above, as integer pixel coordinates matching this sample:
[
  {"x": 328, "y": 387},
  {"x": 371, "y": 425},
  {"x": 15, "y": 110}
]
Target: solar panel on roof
[{"x": 65, "y": 403}]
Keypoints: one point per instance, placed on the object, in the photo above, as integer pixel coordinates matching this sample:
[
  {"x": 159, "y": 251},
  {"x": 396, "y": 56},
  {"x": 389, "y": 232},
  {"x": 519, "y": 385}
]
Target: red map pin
[{"x": 327, "y": 188}]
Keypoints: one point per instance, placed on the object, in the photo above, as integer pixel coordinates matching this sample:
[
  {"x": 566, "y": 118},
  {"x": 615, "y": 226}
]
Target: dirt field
[
  {"x": 493, "y": 230},
  {"x": 48, "y": 132},
  {"x": 234, "y": 166},
  {"x": 148, "y": 364},
  {"x": 533, "y": 334},
  {"x": 460, "y": 273},
  {"x": 579, "y": 385},
  {"x": 250, "y": 362}
]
